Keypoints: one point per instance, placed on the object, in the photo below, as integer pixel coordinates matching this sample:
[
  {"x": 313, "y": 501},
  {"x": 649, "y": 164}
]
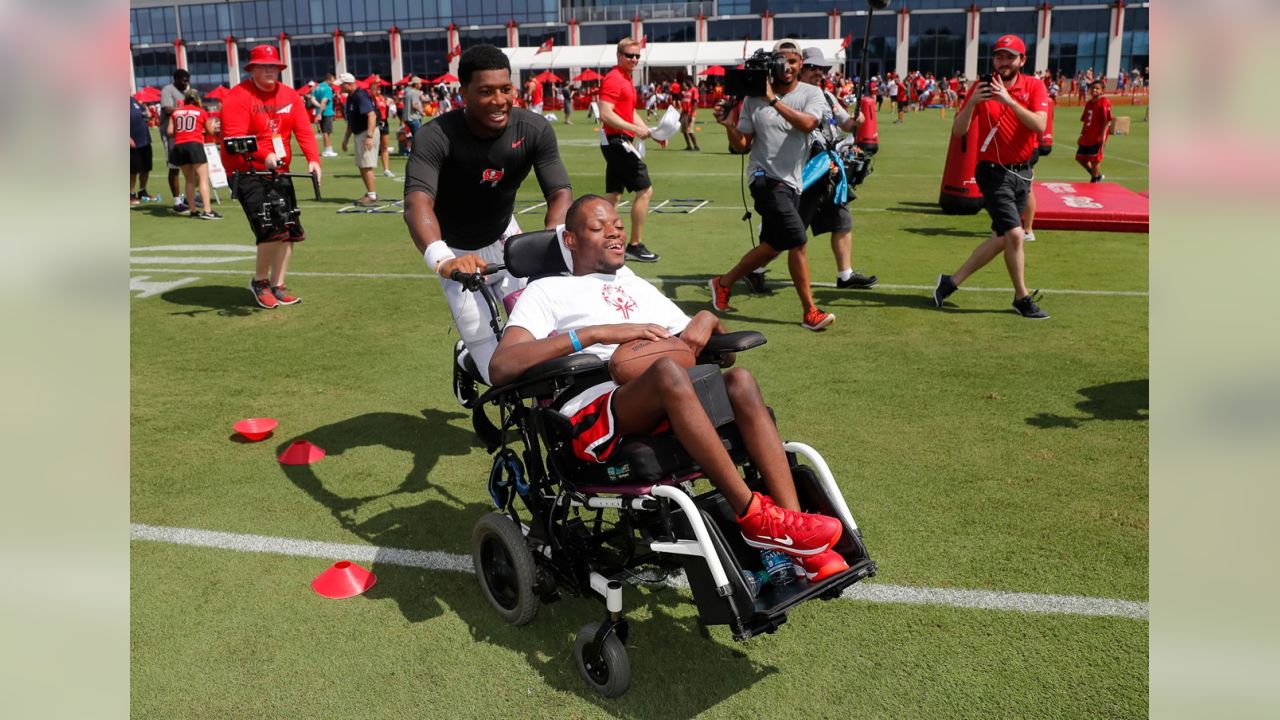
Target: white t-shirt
[{"x": 561, "y": 303}]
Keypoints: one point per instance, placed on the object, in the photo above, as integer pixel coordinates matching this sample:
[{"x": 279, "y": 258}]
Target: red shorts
[{"x": 590, "y": 413}]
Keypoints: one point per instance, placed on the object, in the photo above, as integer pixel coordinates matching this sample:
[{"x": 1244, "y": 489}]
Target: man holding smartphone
[{"x": 1011, "y": 110}]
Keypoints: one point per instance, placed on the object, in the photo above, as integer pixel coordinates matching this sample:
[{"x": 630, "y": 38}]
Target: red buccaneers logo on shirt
[
  {"x": 492, "y": 176},
  {"x": 618, "y": 299}
]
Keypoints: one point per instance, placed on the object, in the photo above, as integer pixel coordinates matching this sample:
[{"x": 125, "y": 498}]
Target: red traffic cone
[
  {"x": 255, "y": 429},
  {"x": 343, "y": 579},
  {"x": 301, "y": 452}
]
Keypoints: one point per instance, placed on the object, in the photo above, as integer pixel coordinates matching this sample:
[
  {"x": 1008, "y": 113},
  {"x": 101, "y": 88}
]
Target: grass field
[{"x": 977, "y": 450}]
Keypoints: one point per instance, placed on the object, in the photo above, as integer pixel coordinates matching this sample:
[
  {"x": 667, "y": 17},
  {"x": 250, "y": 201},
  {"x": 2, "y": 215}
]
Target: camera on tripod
[{"x": 761, "y": 68}]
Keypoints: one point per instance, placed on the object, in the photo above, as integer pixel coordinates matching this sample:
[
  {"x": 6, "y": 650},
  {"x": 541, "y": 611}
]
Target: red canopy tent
[
  {"x": 369, "y": 81},
  {"x": 587, "y": 75},
  {"x": 445, "y": 78},
  {"x": 221, "y": 90},
  {"x": 546, "y": 76},
  {"x": 713, "y": 70},
  {"x": 147, "y": 94}
]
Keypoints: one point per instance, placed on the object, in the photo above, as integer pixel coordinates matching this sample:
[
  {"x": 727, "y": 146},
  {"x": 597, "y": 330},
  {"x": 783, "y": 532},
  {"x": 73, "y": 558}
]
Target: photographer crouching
[
  {"x": 259, "y": 116},
  {"x": 774, "y": 125}
]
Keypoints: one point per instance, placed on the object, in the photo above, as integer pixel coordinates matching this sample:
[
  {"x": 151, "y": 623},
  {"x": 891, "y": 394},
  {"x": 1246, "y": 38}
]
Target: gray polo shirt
[
  {"x": 412, "y": 104},
  {"x": 170, "y": 100},
  {"x": 779, "y": 149}
]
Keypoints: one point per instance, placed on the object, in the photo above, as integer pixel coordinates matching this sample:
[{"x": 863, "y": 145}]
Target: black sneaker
[
  {"x": 640, "y": 253},
  {"x": 857, "y": 281},
  {"x": 943, "y": 289},
  {"x": 756, "y": 283},
  {"x": 206, "y": 215},
  {"x": 464, "y": 385},
  {"x": 1028, "y": 308}
]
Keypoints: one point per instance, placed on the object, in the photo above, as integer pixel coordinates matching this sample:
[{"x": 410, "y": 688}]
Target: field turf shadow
[
  {"x": 1127, "y": 400},
  {"x": 225, "y": 300},
  {"x": 427, "y": 517}
]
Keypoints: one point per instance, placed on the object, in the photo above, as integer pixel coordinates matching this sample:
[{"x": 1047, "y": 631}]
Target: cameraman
[
  {"x": 775, "y": 128},
  {"x": 267, "y": 109},
  {"x": 817, "y": 202}
]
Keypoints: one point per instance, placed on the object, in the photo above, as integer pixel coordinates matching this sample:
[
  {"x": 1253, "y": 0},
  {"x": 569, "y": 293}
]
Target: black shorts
[
  {"x": 623, "y": 171},
  {"x": 869, "y": 148},
  {"x": 251, "y": 191},
  {"x": 1004, "y": 194},
  {"x": 1089, "y": 152},
  {"x": 383, "y": 129},
  {"x": 189, "y": 153},
  {"x": 326, "y": 125},
  {"x": 778, "y": 205},
  {"x": 902, "y": 105},
  {"x": 140, "y": 159},
  {"x": 820, "y": 214}
]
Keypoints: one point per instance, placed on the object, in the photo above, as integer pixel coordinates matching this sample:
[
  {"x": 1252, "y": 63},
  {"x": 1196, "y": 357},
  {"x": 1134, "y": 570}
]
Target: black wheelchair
[{"x": 564, "y": 525}]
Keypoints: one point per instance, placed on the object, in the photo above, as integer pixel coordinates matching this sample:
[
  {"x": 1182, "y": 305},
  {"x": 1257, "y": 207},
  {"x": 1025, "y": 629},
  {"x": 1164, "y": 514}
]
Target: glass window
[
  {"x": 801, "y": 28},
  {"x": 669, "y": 31},
  {"x": 1078, "y": 41},
  {"x": 735, "y": 29},
  {"x": 366, "y": 55},
  {"x": 312, "y": 59},
  {"x": 605, "y": 34},
  {"x": 424, "y": 54},
  {"x": 937, "y": 44},
  {"x": 882, "y": 44}
]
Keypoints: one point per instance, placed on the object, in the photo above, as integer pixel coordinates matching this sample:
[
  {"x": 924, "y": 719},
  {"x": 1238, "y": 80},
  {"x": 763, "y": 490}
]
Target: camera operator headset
[
  {"x": 774, "y": 124},
  {"x": 1011, "y": 110},
  {"x": 259, "y": 116}
]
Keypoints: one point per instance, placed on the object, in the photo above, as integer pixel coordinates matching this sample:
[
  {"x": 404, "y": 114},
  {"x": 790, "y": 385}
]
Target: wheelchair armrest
[
  {"x": 725, "y": 343},
  {"x": 539, "y": 378}
]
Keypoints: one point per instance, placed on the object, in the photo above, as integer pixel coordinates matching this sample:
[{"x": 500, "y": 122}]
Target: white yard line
[
  {"x": 679, "y": 280},
  {"x": 431, "y": 560}
]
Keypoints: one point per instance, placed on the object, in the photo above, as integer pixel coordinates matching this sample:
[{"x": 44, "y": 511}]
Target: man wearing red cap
[
  {"x": 1011, "y": 110},
  {"x": 272, "y": 112}
]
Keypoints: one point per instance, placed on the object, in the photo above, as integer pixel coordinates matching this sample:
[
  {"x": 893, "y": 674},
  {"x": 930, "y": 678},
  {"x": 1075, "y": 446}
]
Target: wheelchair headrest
[{"x": 536, "y": 254}]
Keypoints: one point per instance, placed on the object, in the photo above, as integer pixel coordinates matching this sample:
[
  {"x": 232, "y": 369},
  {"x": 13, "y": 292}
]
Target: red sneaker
[
  {"x": 815, "y": 319},
  {"x": 796, "y": 533},
  {"x": 719, "y": 294},
  {"x": 820, "y": 566},
  {"x": 262, "y": 294},
  {"x": 283, "y": 295}
]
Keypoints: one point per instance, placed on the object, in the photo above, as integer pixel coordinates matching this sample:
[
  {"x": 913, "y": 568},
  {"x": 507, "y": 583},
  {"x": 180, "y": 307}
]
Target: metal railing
[{"x": 648, "y": 11}]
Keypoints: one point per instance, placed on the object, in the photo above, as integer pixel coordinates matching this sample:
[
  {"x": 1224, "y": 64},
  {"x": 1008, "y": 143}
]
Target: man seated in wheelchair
[{"x": 603, "y": 304}]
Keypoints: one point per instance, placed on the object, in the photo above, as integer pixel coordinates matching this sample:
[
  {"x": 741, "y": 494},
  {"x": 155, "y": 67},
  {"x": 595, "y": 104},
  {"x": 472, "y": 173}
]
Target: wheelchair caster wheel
[
  {"x": 505, "y": 568},
  {"x": 604, "y": 665}
]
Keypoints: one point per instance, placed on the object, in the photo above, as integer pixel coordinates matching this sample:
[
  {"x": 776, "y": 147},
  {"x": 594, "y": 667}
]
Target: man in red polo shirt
[
  {"x": 272, "y": 112},
  {"x": 1011, "y": 110},
  {"x": 624, "y": 168},
  {"x": 1093, "y": 135}
]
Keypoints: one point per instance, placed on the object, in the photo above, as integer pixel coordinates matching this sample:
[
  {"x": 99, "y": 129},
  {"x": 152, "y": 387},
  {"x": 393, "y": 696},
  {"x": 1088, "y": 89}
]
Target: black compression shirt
[{"x": 474, "y": 180}]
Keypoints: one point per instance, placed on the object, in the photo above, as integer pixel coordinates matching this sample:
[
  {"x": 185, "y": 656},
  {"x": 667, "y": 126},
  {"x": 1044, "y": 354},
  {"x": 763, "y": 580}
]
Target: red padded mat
[{"x": 1090, "y": 206}]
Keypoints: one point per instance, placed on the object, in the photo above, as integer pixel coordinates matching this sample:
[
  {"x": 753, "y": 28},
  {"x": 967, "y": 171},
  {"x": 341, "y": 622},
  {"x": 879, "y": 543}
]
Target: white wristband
[{"x": 436, "y": 253}]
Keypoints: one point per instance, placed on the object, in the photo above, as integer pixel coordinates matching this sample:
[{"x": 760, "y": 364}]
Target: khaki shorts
[{"x": 366, "y": 159}]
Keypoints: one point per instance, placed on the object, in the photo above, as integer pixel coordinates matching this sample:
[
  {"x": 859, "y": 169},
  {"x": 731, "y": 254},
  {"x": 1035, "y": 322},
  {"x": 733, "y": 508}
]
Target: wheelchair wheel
[
  {"x": 604, "y": 666},
  {"x": 505, "y": 568}
]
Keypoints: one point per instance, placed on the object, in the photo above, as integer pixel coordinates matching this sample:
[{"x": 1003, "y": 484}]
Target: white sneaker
[
  {"x": 1030, "y": 236},
  {"x": 388, "y": 173},
  {"x": 329, "y": 153}
]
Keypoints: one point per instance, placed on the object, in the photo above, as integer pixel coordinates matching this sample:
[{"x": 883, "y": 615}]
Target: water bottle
[
  {"x": 778, "y": 565},
  {"x": 755, "y": 580}
]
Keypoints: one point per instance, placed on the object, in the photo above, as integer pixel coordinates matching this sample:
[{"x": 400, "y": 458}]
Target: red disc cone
[
  {"x": 255, "y": 429},
  {"x": 301, "y": 452},
  {"x": 343, "y": 579}
]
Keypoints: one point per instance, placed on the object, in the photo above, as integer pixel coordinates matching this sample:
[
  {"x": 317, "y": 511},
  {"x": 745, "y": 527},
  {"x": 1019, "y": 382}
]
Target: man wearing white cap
[
  {"x": 362, "y": 121},
  {"x": 272, "y": 112}
]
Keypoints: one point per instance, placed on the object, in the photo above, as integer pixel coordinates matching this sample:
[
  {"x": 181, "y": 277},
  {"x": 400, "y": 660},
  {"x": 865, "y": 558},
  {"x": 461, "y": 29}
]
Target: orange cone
[
  {"x": 343, "y": 579},
  {"x": 301, "y": 452}
]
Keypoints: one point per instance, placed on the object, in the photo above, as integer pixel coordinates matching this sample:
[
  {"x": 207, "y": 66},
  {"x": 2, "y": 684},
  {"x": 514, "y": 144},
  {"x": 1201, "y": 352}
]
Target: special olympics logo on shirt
[
  {"x": 618, "y": 299},
  {"x": 491, "y": 176}
]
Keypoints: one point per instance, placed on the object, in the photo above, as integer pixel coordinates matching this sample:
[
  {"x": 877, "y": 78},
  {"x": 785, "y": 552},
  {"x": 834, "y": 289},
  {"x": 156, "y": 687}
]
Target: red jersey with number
[
  {"x": 1002, "y": 138},
  {"x": 247, "y": 110},
  {"x": 867, "y": 131},
  {"x": 1097, "y": 120},
  {"x": 617, "y": 89},
  {"x": 188, "y": 124},
  {"x": 689, "y": 101}
]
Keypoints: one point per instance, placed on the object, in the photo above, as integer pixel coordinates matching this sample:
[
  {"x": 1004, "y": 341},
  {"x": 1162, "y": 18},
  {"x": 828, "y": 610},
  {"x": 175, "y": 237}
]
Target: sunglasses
[
  {"x": 812, "y": 67},
  {"x": 633, "y": 56}
]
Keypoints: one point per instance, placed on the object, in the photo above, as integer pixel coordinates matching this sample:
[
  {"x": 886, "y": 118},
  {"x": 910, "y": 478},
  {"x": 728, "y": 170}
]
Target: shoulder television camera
[{"x": 749, "y": 81}]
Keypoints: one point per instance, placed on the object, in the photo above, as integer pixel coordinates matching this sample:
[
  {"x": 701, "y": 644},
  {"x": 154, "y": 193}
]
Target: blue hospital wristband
[{"x": 573, "y": 338}]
